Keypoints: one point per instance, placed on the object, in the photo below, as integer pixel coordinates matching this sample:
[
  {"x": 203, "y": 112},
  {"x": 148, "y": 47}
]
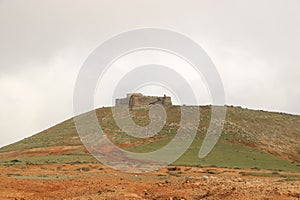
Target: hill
[{"x": 250, "y": 139}]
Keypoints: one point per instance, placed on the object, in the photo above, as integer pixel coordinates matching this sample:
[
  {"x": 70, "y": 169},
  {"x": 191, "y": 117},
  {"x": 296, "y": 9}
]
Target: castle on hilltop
[{"x": 138, "y": 101}]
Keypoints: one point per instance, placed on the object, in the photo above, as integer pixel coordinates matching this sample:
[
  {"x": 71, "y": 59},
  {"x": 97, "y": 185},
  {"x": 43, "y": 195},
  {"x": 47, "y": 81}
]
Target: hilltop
[{"x": 250, "y": 139}]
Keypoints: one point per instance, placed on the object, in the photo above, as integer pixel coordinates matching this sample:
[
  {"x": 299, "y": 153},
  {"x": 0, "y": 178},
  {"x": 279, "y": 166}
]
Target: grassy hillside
[{"x": 250, "y": 139}]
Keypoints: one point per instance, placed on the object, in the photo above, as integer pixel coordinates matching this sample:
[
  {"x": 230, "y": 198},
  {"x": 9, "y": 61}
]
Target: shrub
[{"x": 15, "y": 161}]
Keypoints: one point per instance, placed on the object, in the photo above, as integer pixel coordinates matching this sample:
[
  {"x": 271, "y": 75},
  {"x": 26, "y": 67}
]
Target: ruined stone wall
[
  {"x": 167, "y": 101},
  {"x": 137, "y": 101},
  {"x": 124, "y": 101}
]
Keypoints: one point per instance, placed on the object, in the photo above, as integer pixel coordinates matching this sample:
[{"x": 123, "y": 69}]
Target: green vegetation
[
  {"x": 43, "y": 177},
  {"x": 290, "y": 179},
  {"x": 71, "y": 159},
  {"x": 250, "y": 139},
  {"x": 286, "y": 177},
  {"x": 231, "y": 155}
]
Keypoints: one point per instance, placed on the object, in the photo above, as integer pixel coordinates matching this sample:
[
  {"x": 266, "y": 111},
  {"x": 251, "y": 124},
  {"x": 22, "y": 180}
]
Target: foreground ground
[{"x": 95, "y": 181}]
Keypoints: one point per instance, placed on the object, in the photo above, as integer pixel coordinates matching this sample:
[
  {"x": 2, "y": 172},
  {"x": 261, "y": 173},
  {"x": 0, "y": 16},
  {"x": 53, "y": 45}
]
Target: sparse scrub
[
  {"x": 174, "y": 173},
  {"x": 85, "y": 169},
  {"x": 250, "y": 139}
]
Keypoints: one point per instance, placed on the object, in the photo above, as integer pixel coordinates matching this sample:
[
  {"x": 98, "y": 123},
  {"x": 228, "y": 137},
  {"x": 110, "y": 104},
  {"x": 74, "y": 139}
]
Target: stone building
[{"x": 138, "y": 101}]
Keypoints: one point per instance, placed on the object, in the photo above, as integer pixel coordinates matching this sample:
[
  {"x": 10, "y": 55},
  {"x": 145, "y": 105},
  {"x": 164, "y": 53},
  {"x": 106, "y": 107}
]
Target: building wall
[{"x": 137, "y": 101}]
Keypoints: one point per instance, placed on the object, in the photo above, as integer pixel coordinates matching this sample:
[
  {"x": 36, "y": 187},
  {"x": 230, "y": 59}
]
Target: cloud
[{"x": 36, "y": 97}]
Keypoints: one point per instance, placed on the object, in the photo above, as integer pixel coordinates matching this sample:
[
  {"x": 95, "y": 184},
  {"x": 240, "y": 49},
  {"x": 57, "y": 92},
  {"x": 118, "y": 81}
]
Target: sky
[{"x": 254, "y": 44}]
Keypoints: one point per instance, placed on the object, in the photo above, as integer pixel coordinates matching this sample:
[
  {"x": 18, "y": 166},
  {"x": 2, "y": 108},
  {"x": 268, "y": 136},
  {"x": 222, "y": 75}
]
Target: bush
[
  {"x": 86, "y": 169},
  {"x": 15, "y": 161}
]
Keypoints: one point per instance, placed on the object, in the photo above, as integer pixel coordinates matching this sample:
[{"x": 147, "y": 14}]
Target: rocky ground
[{"x": 95, "y": 181}]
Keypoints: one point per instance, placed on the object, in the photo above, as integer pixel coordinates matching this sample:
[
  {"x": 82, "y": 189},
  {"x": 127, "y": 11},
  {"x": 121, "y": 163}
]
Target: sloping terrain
[{"x": 250, "y": 139}]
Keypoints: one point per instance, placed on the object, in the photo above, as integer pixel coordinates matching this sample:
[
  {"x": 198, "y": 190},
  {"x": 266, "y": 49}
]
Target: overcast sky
[{"x": 254, "y": 44}]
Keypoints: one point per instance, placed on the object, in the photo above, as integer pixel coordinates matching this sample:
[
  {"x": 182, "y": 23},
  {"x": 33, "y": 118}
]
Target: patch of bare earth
[{"x": 95, "y": 181}]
